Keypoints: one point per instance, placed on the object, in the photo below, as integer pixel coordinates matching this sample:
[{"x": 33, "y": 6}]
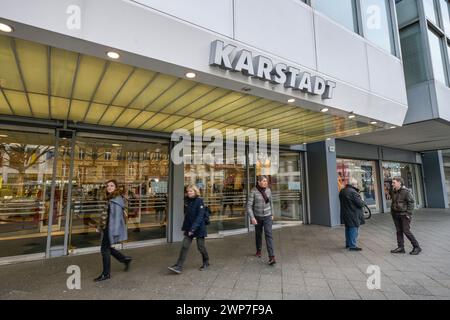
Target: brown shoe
[{"x": 272, "y": 261}]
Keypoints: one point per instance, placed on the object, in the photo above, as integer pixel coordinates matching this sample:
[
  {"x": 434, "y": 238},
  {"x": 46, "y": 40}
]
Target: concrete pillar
[
  {"x": 176, "y": 203},
  {"x": 322, "y": 182},
  {"x": 434, "y": 179}
]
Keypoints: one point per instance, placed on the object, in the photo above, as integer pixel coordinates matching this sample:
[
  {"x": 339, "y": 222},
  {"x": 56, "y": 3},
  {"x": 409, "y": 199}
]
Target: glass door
[
  {"x": 26, "y": 162},
  {"x": 141, "y": 170},
  {"x": 286, "y": 185}
]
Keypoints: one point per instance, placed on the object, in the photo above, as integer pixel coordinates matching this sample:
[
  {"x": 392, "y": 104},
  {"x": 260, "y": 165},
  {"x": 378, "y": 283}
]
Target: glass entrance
[
  {"x": 26, "y": 162},
  {"x": 286, "y": 185},
  {"x": 141, "y": 170}
]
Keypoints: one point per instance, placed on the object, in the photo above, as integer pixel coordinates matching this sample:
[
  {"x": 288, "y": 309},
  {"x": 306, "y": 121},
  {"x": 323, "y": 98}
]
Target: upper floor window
[
  {"x": 445, "y": 12},
  {"x": 377, "y": 23},
  {"x": 342, "y": 11},
  {"x": 430, "y": 10}
]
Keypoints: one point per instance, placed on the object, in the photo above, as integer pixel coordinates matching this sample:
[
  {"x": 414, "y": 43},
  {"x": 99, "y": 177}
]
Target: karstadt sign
[{"x": 229, "y": 58}]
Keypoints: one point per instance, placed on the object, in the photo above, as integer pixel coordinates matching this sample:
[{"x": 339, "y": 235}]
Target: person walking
[
  {"x": 194, "y": 226},
  {"x": 402, "y": 207},
  {"x": 260, "y": 211},
  {"x": 113, "y": 229},
  {"x": 352, "y": 215}
]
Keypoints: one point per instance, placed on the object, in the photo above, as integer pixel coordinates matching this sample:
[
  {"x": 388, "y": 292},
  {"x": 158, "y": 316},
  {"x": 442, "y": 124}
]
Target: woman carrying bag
[{"x": 113, "y": 229}]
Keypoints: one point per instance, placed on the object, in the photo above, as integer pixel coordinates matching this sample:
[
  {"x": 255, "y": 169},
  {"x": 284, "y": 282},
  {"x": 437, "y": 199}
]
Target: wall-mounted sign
[{"x": 229, "y": 58}]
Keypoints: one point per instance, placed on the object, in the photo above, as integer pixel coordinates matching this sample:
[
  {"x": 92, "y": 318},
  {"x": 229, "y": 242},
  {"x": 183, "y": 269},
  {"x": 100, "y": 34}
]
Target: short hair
[
  {"x": 399, "y": 179},
  {"x": 261, "y": 178},
  {"x": 195, "y": 188}
]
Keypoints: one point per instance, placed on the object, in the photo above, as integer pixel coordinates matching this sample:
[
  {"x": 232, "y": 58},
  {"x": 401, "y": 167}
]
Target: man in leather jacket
[{"x": 402, "y": 207}]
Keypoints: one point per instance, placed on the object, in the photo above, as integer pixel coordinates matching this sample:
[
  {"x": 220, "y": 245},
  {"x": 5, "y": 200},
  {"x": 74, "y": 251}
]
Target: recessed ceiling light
[
  {"x": 393, "y": 127},
  {"x": 116, "y": 145},
  {"x": 357, "y": 134},
  {"x": 352, "y": 116},
  {"x": 113, "y": 55},
  {"x": 190, "y": 75},
  {"x": 373, "y": 122},
  {"x": 5, "y": 28},
  {"x": 324, "y": 110},
  {"x": 291, "y": 100},
  {"x": 328, "y": 139},
  {"x": 3, "y": 136}
]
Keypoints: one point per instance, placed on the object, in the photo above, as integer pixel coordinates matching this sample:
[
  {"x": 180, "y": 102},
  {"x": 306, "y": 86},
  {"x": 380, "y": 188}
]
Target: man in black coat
[{"x": 351, "y": 213}]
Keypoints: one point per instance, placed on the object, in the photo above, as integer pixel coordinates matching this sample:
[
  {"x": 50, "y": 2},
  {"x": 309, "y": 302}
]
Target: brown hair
[
  {"x": 399, "y": 179},
  {"x": 116, "y": 192}
]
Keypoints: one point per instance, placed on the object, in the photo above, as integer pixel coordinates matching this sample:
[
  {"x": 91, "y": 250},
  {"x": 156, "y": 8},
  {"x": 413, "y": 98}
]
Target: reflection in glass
[
  {"x": 286, "y": 187},
  {"x": 413, "y": 54},
  {"x": 445, "y": 9},
  {"x": 141, "y": 170},
  {"x": 342, "y": 11},
  {"x": 377, "y": 23},
  {"x": 223, "y": 189},
  {"x": 366, "y": 174},
  {"x": 436, "y": 56},
  {"x": 26, "y": 162},
  {"x": 430, "y": 10},
  {"x": 410, "y": 173}
]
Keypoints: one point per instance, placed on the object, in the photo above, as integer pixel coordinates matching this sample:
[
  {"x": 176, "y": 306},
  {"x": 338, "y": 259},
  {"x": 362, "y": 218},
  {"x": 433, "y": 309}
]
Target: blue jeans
[{"x": 351, "y": 236}]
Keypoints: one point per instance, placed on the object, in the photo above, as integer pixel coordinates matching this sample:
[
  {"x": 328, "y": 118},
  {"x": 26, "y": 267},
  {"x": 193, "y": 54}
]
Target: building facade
[{"x": 93, "y": 90}]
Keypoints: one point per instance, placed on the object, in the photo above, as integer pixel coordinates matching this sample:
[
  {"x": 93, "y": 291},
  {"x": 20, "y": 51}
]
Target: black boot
[
  {"x": 102, "y": 277},
  {"x": 416, "y": 251},
  {"x": 127, "y": 263},
  {"x": 398, "y": 250},
  {"x": 204, "y": 266}
]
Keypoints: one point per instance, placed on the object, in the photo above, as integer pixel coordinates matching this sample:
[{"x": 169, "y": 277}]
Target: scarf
[{"x": 263, "y": 193}]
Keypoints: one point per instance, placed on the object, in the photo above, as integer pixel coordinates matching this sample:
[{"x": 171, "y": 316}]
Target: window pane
[
  {"x": 430, "y": 10},
  {"x": 410, "y": 174},
  {"x": 445, "y": 7},
  {"x": 26, "y": 162},
  {"x": 366, "y": 174},
  {"x": 413, "y": 55},
  {"x": 436, "y": 56},
  {"x": 406, "y": 11},
  {"x": 377, "y": 23},
  {"x": 342, "y": 11}
]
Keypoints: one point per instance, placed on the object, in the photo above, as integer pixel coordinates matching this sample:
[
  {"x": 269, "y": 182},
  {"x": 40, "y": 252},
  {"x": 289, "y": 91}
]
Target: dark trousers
[
  {"x": 186, "y": 244},
  {"x": 402, "y": 224},
  {"x": 266, "y": 224},
  {"x": 107, "y": 251}
]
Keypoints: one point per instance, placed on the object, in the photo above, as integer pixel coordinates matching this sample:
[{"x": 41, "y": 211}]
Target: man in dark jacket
[
  {"x": 351, "y": 214},
  {"x": 401, "y": 209}
]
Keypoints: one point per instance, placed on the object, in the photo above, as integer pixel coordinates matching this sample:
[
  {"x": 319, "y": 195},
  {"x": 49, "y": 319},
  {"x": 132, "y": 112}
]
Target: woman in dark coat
[
  {"x": 113, "y": 230},
  {"x": 194, "y": 226}
]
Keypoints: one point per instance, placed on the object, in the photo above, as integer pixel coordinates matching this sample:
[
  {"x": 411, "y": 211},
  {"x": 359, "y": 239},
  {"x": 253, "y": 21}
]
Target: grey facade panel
[
  {"x": 354, "y": 150},
  {"x": 420, "y": 104},
  {"x": 389, "y": 154},
  {"x": 347, "y": 149}
]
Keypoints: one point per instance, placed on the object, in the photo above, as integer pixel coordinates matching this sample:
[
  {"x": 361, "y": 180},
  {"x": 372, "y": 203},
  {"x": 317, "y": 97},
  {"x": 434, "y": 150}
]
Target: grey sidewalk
[{"x": 312, "y": 264}]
